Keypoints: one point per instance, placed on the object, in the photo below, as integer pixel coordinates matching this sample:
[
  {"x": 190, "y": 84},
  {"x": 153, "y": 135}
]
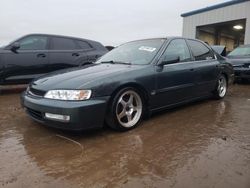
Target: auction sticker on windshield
[{"x": 147, "y": 48}]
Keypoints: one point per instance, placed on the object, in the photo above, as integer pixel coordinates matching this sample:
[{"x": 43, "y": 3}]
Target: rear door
[
  {"x": 90, "y": 53},
  {"x": 64, "y": 53},
  {"x": 206, "y": 66},
  {"x": 28, "y": 62},
  {"x": 175, "y": 81}
]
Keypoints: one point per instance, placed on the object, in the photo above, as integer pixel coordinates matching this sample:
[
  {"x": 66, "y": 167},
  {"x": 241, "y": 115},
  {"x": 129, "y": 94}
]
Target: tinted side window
[
  {"x": 177, "y": 47},
  {"x": 59, "y": 43},
  {"x": 83, "y": 45},
  {"x": 33, "y": 43},
  {"x": 200, "y": 51}
]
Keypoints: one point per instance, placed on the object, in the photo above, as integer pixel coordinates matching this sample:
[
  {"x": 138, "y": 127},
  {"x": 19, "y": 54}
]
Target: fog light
[{"x": 57, "y": 117}]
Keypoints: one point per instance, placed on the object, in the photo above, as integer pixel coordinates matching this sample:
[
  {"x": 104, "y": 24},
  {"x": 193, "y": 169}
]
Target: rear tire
[
  {"x": 126, "y": 110},
  {"x": 221, "y": 87}
]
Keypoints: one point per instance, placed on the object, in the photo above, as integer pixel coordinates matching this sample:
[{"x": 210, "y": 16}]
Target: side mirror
[
  {"x": 15, "y": 46},
  {"x": 170, "y": 59}
]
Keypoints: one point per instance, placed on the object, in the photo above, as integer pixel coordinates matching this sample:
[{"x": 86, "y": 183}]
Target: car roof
[
  {"x": 54, "y": 35},
  {"x": 167, "y": 38}
]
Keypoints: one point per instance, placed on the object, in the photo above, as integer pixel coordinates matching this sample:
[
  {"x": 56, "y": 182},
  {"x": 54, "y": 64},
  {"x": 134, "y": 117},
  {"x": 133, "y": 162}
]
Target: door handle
[
  {"x": 75, "y": 54},
  {"x": 40, "y": 55}
]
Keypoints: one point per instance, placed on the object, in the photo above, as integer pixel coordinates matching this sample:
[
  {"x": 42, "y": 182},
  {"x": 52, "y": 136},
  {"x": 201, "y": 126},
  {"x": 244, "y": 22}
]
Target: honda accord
[{"x": 129, "y": 82}]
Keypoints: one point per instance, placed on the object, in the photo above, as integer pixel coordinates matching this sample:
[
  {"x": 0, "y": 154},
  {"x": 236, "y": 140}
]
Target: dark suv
[{"x": 34, "y": 55}]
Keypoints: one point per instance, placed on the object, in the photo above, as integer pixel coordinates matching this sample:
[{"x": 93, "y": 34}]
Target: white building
[{"x": 222, "y": 24}]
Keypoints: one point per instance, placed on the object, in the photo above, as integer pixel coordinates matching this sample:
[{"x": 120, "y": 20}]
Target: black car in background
[
  {"x": 128, "y": 82},
  {"x": 34, "y": 55},
  {"x": 240, "y": 59}
]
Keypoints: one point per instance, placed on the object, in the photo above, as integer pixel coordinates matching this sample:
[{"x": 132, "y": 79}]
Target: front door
[
  {"x": 27, "y": 62},
  {"x": 175, "y": 81}
]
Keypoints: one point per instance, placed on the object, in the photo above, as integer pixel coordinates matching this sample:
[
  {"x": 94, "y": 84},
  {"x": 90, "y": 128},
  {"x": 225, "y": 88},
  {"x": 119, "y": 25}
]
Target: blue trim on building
[{"x": 221, "y": 5}]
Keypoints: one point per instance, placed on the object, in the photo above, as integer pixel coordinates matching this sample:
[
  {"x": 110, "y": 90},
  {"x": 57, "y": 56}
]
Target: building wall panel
[{"x": 233, "y": 12}]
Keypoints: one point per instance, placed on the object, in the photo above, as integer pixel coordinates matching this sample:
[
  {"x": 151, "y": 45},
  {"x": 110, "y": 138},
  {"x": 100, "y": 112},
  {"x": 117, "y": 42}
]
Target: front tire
[
  {"x": 221, "y": 88},
  {"x": 126, "y": 110}
]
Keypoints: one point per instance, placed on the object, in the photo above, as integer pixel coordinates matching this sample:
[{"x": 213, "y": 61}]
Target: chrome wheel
[
  {"x": 129, "y": 109},
  {"x": 222, "y": 86}
]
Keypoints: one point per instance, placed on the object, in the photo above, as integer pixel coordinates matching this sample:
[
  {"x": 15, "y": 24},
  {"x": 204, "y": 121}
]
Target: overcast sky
[{"x": 111, "y": 22}]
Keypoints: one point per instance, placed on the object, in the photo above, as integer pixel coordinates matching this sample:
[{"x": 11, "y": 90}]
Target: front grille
[
  {"x": 35, "y": 114},
  {"x": 36, "y": 92}
]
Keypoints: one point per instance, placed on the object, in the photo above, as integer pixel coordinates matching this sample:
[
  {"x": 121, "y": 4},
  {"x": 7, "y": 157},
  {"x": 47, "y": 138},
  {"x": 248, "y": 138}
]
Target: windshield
[
  {"x": 240, "y": 51},
  {"x": 136, "y": 52}
]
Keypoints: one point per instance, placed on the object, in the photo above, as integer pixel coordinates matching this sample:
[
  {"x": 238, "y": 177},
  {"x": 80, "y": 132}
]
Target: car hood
[
  {"x": 239, "y": 61},
  {"x": 78, "y": 78}
]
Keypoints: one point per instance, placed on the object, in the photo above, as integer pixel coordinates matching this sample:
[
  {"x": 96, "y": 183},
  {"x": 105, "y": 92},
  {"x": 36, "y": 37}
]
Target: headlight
[{"x": 71, "y": 95}]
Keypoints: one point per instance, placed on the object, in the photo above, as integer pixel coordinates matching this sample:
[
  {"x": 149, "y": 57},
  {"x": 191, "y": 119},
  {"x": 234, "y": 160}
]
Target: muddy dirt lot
[{"x": 206, "y": 144}]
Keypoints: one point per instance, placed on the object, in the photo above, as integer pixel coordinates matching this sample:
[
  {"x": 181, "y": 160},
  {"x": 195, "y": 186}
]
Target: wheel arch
[
  {"x": 226, "y": 76},
  {"x": 142, "y": 91}
]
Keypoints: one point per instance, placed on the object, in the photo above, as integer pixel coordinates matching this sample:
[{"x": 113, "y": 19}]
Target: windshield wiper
[
  {"x": 112, "y": 62},
  {"x": 117, "y": 62}
]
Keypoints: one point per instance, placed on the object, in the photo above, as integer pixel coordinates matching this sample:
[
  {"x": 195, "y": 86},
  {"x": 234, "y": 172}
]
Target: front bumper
[
  {"x": 242, "y": 73},
  {"x": 84, "y": 115}
]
